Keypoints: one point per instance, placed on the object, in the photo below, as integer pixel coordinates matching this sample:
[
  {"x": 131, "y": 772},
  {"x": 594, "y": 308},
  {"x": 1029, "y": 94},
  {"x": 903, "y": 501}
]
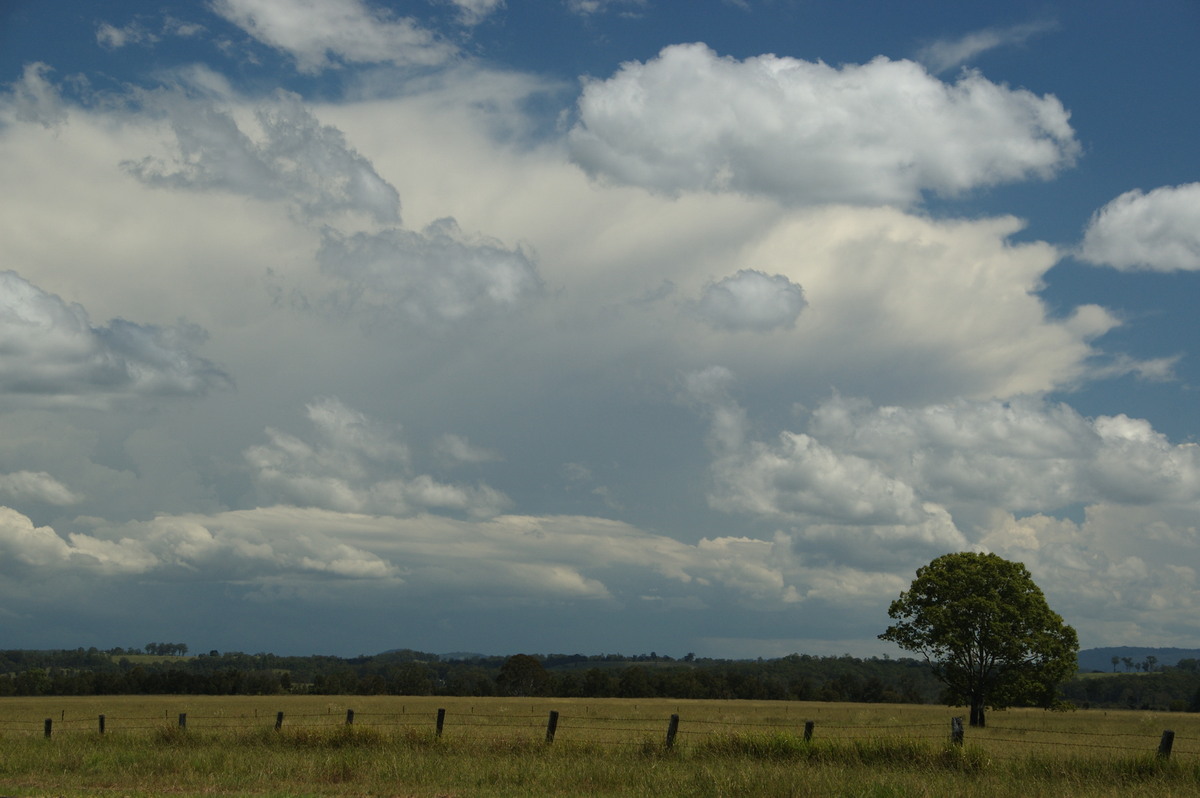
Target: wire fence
[{"x": 1000, "y": 741}]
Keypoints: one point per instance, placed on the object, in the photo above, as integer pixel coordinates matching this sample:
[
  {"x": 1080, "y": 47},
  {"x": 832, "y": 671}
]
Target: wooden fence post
[
  {"x": 49, "y": 725},
  {"x": 102, "y": 724},
  {"x": 441, "y": 721},
  {"x": 183, "y": 720},
  {"x": 672, "y": 730},
  {"x": 551, "y": 725},
  {"x": 1164, "y": 745},
  {"x": 956, "y": 731},
  {"x": 278, "y": 721},
  {"x": 349, "y": 717},
  {"x": 808, "y": 730}
]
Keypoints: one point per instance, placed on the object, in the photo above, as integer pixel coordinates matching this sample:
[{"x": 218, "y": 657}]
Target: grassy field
[{"x": 497, "y": 747}]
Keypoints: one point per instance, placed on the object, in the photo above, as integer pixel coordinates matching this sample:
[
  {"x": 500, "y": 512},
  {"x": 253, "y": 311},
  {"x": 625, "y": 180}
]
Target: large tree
[{"x": 987, "y": 630}]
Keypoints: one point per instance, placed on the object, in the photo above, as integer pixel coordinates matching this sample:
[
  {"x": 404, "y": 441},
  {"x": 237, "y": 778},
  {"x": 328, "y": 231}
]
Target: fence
[{"x": 999, "y": 741}]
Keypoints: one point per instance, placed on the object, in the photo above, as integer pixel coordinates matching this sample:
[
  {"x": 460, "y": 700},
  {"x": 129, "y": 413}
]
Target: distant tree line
[
  {"x": 1156, "y": 687},
  {"x": 406, "y": 672},
  {"x": 799, "y": 677}
]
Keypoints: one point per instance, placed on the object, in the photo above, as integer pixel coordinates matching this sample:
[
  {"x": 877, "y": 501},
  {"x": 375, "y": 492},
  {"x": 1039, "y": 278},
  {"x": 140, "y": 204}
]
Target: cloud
[
  {"x": 880, "y": 133},
  {"x": 34, "y": 98},
  {"x": 357, "y": 465},
  {"x": 434, "y": 276},
  {"x": 53, "y": 355},
  {"x": 472, "y": 12},
  {"x": 457, "y": 450},
  {"x": 1159, "y": 231},
  {"x": 752, "y": 300},
  {"x": 229, "y": 547},
  {"x": 322, "y": 34},
  {"x": 880, "y": 486},
  {"x": 944, "y": 55},
  {"x": 1023, "y": 455},
  {"x": 295, "y": 158},
  {"x": 36, "y": 486},
  {"x": 137, "y": 31},
  {"x": 589, "y": 7}
]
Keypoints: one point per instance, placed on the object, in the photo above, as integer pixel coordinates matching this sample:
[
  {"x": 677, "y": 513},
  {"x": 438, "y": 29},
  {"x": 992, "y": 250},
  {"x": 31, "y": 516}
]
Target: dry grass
[{"x": 496, "y": 747}]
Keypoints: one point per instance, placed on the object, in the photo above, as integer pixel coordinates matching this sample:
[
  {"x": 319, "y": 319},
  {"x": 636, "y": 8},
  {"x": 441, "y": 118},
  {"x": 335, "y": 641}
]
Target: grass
[{"x": 496, "y": 747}]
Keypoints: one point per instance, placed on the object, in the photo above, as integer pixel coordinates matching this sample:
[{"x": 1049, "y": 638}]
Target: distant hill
[{"x": 1100, "y": 659}]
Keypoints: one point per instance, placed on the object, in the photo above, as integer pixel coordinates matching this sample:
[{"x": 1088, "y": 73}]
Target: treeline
[
  {"x": 1172, "y": 688},
  {"x": 795, "y": 677}
]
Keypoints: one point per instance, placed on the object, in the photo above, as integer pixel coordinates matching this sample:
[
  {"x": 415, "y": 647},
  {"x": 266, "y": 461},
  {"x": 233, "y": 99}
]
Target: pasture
[{"x": 229, "y": 745}]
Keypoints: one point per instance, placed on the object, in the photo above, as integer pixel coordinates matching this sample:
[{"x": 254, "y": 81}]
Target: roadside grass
[{"x": 615, "y": 748}]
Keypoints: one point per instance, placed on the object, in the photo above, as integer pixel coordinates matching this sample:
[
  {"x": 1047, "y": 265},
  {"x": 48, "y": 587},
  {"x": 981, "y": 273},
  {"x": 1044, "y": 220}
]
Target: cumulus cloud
[
  {"x": 752, "y": 300},
  {"x": 294, "y": 158},
  {"x": 434, "y": 276},
  {"x": 878, "y": 133},
  {"x": 322, "y": 34},
  {"x": 1158, "y": 231},
  {"x": 863, "y": 481},
  {"x": 52, "y": 353},
  {"x": 946, "y": 54},
  {"x": 357, "y": 464},
  {"x": 36, "y": 486},
  {"x": 1023, "y": 455},
  {"x": 230, "y": 547}
]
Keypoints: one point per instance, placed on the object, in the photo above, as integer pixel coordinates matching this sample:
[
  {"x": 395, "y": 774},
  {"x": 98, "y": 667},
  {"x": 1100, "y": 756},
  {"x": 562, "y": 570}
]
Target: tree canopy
[{"x": 987, "y": 631}]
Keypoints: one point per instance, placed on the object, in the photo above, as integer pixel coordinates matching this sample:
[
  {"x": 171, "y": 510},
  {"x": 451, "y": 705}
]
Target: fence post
[
  {"x": 672, "y": 730},
  {"x": 1164, "y": 745},
  {"x": 441, "y": 721},
  {"x": 349, "y": 717},
  {"x": 183, "y": 720},
  {"x": 49, "y": 725},
  {"x": 808, "y": 730},
  {"x": 102, "y": 724},
  {"x": 551, "y": 725},
  {"x": 956, "y": 731},
  {"x": 278, "y": 721}
]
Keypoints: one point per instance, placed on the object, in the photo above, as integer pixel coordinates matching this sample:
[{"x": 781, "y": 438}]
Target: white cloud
[
  {"x": 472, "y": 12},
  {"x": 457, "y": 450},
  {"x": 885, "y": 487},
  {"x": 321, "y": 34},
  {"x": 357, "y": 465},
  {"x": 52, "y": 353},
  {"x": 34, "y": 98},
  {"x": 752, "y": 300},
  {"x": 36, "y": 486},
  {"x": 295, "y": 158},
  {"x": 589, "y": 7},
  {"x": 1158, "y": 231},
  {"x": 137, "y": 31},
  {"x": 946, "y": 54},
  {"x": 434, "y": 276},
  {"x": 1022, "y": 455},
  {"x": 806, "y": 132}
]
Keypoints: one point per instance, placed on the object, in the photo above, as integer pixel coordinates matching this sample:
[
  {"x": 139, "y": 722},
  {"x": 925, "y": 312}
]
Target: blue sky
[{"x": 591, "y": 325}]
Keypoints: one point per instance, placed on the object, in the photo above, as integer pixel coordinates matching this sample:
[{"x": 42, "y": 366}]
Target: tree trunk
[{"x": 977, "y": 718}]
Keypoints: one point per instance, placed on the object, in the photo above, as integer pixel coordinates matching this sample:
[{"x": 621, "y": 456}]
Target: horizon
[{"x": 596, "y": 324}]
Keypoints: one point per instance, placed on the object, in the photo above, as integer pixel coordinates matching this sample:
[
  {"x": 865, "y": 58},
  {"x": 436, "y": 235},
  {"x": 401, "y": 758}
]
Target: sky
[{"x": 597, "y": 326}]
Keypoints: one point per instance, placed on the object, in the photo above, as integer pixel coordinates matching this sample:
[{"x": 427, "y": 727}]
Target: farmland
[{"x": 230, "y": 745}]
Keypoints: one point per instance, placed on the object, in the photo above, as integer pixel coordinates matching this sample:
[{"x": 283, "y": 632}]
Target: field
[{"x": 229, "y": 745}]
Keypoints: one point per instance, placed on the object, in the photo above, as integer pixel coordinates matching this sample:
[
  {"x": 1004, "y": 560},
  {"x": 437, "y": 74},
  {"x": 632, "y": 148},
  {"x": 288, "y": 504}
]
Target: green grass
[{"x": 496, "y": 747}]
